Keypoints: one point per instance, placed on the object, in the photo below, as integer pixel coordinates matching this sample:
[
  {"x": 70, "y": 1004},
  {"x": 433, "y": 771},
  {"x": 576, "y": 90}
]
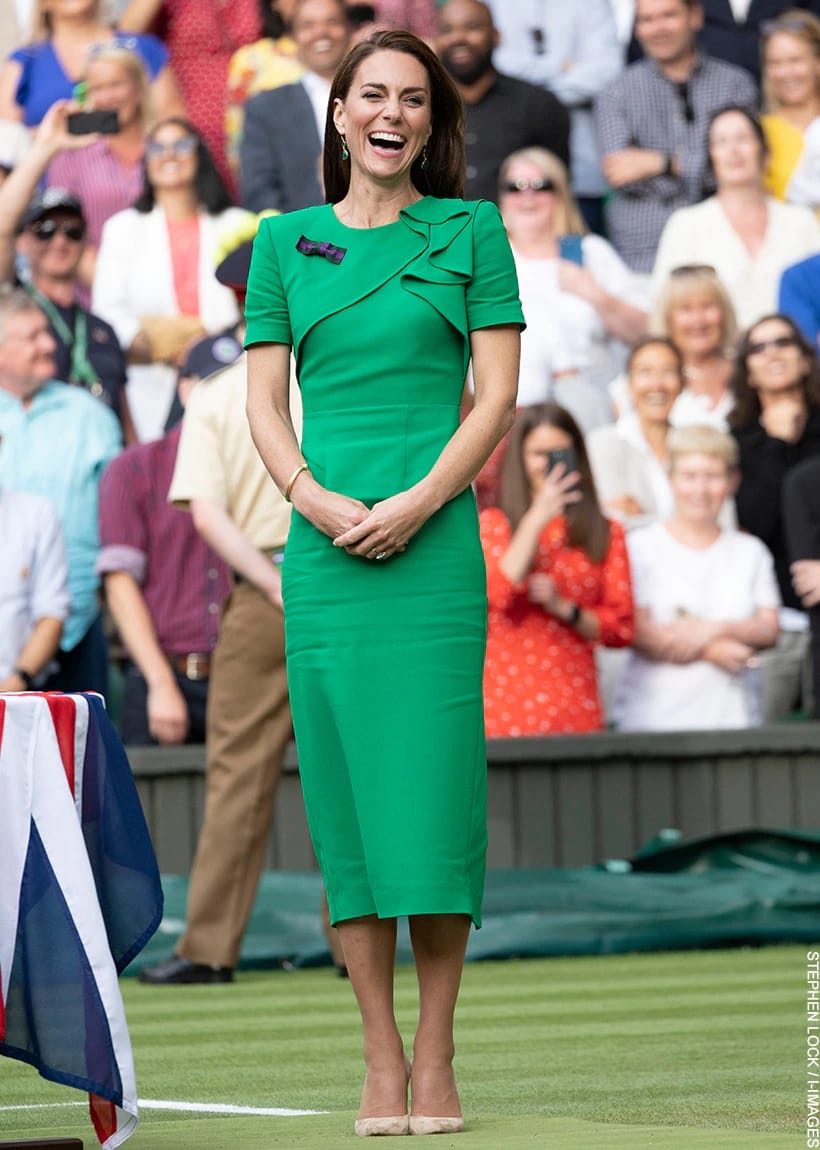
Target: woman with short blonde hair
[{"x": 790, "y": 51}]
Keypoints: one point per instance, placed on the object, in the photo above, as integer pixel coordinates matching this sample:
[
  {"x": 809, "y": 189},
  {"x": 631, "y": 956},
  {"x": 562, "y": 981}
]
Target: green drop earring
[
  {"x": 424, "y": 158},
  {"x": 345, "y": 153}
]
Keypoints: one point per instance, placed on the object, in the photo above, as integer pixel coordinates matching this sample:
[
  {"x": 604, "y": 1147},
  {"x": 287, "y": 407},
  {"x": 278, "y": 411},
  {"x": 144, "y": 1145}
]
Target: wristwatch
[
  {"x": 574, "y": 616},
  {"x": 25, "y": 676},
  {"x": 669, "y": 167}
]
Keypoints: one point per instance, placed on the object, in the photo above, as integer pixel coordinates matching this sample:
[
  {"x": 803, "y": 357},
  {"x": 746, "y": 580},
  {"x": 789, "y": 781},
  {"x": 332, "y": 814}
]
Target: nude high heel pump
[
  {"x": 421, "y": 1124},
  {"x": 370, "y": 1127}
]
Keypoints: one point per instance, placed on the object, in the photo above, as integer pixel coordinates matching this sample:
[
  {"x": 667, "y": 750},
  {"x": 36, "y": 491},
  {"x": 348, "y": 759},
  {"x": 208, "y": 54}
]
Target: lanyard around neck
[{"x": 81, "y": 370}]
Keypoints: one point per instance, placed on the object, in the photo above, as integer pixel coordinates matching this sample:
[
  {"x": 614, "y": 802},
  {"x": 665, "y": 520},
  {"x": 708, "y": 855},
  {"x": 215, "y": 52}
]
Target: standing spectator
[
  {"x": 155, "y": 280},
  {"x": 237, "y": 508},
  {"x": 652, "y": 124},
  {"x": 573, "y": 50},
  {"x": 164, "y": 586},
  {"x": 282, "y": 142},
  {"x": 106, "y": 175},
  {"x": 791, "y": 90},
  {"x": 799, "y": 297},
  {"x": 201, "y": 38},
  {"x": 56, "y": 441},
  {"x": 557, "y": 583},
  {"x": 706, "y": 603},
  {"x": 502, "y": 114},
  {"x": 259, "y": 67},
  {"x": 776, "y": 422},
  {"x": 48, "y": 234},
  {"x": 801, "y": 515},
  {"x": 732, "y": 28},
  {"x": 34, "y": 599},
  {"x": 749, "y": 238},
  {"x": 48, "y": 68}
]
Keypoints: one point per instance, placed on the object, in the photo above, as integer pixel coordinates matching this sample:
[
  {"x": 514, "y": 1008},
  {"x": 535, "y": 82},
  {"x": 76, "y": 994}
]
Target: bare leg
[
  {"x": 369, "y": 946},
  {"x": 439, "y": 942}
]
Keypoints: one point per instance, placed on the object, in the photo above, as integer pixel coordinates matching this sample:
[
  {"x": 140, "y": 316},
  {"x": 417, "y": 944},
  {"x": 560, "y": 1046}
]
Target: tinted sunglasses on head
[
  {"x": 45, "y": 230},
  {"x": 511, "y": 187}
]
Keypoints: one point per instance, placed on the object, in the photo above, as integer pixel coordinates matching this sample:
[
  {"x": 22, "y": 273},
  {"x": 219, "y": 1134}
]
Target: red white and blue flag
[{"x": 80, "y": 896}]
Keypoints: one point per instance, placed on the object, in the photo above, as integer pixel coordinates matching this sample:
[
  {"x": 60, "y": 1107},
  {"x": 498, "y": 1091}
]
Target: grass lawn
[{"x": 679, "y": 1051}]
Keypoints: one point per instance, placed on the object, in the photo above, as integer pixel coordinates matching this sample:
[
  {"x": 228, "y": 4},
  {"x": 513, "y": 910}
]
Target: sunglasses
[
  {"x": 184, "y": 146},
  {"x": 512, "y": 187},
  {"x": 777, "y": 341},
  {"x": 45, "y": 230}
]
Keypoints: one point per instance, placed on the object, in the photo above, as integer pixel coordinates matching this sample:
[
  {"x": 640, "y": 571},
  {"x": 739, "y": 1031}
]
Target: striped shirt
[
  {"x": 643, "y": 109},
  {"x": 101, "y": 183}
]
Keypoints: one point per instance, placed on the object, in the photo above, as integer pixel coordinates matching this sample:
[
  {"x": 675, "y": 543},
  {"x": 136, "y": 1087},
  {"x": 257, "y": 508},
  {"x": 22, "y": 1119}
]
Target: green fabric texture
[{"x": 749, "y": 887}]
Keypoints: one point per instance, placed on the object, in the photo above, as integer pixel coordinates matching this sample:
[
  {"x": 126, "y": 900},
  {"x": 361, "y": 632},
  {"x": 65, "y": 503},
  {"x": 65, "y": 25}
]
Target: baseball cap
[{"x": 52, "y": 200}]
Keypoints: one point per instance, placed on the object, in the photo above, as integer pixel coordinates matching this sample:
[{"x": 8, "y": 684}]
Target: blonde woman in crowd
[
  {"x": 706, "y": 602},
  {"x": 790, "y": 50}
]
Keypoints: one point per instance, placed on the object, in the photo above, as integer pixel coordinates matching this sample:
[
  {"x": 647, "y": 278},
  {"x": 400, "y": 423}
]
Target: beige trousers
[{"x": 248, "y": 729}]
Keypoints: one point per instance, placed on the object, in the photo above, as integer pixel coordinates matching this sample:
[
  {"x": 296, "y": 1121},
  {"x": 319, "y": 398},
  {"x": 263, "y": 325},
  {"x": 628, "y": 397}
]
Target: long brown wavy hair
[
  {"x": 747, "y": 401},
  {"x": 587, "y": 526},
  {"x": 445, "y": 171}
]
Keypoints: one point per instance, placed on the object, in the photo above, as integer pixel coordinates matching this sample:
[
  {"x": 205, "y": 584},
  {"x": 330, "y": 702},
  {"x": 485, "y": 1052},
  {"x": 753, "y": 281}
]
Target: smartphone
[
  {"x": 570, "y": 248},
  {"x": 84, "y": 123},
  {"x": 565, "y": 455}
]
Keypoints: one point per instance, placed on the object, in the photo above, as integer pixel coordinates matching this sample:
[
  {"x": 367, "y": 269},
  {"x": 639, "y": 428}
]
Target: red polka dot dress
[{"x": 539, "y": 673}]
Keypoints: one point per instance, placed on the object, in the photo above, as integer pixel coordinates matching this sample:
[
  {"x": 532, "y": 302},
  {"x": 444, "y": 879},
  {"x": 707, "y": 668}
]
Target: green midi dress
[{"x": 385, "y": 659}]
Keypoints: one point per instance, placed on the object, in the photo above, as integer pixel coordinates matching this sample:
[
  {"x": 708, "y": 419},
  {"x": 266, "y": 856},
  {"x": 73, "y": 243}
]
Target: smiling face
[
  {"x": 666, "y": 29},
  {"x": 26, "y": 352},
  {"x": 775, "y": 361},
  {"x": 736, "y": 151},
  {"x": 696, "y": 323},
  {"x": 54, "y": 245},
  {"x": 322, "y": 35},
  {"x": 654, "y": 382},
  {"x": 111, "y": 88},
  {"x": 527, "y": 212},
  {"x": 700, "y": 484},
  {"x": 792, "y": 70},
  {"x": 171, "y": 158},
  {"x": 386, "y": 116},
  {"x": 466, "y": 39}
]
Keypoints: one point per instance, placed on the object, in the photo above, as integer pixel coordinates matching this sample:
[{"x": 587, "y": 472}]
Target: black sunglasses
[
  {"x": 778, "y": 341},
  {"x": 514, "y": 186},
  {"x": 45, "y": 230}
]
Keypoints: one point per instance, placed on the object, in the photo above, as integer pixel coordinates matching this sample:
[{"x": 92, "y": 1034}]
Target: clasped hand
[{"x": 384, "y": 529}]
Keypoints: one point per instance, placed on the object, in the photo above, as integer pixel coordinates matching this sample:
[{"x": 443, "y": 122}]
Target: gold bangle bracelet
[{"x": 302, "y": 467}]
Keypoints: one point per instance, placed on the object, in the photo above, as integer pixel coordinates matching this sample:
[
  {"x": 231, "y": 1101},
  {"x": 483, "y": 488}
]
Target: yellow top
[{"x": 785, "y": 148}]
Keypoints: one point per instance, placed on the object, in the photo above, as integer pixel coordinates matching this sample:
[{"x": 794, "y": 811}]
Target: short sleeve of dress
[
  {"x": 492, "y": 294},
  {"x": 266, "y": 307}
]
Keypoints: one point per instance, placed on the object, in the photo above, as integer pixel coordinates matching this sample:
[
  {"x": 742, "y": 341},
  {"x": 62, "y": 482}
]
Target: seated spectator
[
  {"x": 801, "y": 516},
  {"x": 733, "y": 31},
  {"x": 791, "y": 88},
  {"x": 501, "y": 114},
  {"x": 48, "y": 235},
  {"x": 48, "y": 68},
  {"x": 154, "y": 280},
  {"x": 106, "y": 176},
  {"x": 574, "y": 280},
  {"x": 705, "y": 602},
  {"x": 259, "y": 67},
  {"x": 746, "y": 235},
  {"x": 573, "y": 50},
  {"x": 34, "y": 598},
  {"x": 56, "y": 441},
  {"x": 202, "y": 39},
  {"x": 164, "y": 587},
  {"x": 630, "y": 459},
  {"x": 281, "y": 148},
  {"x": 776, "y": 422},
  {"x": 695, "y": 312},
  {"x": 799, "y": 297},
  {"x": 557, "y": 582},
  {"x": 652, "y": 124}
]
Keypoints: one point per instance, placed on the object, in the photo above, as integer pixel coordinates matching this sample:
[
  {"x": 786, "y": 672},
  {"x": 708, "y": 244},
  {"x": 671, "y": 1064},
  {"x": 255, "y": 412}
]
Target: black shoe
[{"x": 176, "y": 971}]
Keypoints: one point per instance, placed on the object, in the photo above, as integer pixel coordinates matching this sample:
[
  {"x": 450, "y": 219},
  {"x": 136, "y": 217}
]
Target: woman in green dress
[{"x": 385, "y": 294}]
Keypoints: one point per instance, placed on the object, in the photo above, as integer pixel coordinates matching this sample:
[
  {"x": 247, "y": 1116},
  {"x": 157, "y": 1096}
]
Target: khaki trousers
[{"x": 248, "y": 728}]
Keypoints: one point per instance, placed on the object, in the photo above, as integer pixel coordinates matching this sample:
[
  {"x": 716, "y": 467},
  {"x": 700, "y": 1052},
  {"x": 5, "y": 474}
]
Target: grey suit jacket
[{"x": 280, "y": 152}]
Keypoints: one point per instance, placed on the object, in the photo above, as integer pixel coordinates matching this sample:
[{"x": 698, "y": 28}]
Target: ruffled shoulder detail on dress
[{"x": 439, "y": 273}]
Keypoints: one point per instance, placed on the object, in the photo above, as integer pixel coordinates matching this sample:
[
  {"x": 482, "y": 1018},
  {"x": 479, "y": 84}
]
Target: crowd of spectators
[{"x": 651, "y": 524}]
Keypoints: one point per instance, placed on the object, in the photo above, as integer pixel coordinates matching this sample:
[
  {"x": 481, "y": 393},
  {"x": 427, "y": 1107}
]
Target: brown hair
[
  {"x": 654, "y": 341},
  {"x": 800, "y": 25},
  {"x": 568, "y": 218},
  {"x": 444, "y": 172},
  {"x": 588, "y": 527},
  {"x": 747, "y": 402}
]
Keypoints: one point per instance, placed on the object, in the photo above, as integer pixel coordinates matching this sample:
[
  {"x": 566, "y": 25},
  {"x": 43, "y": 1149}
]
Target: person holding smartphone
[{"x": 558, "y": 583}]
